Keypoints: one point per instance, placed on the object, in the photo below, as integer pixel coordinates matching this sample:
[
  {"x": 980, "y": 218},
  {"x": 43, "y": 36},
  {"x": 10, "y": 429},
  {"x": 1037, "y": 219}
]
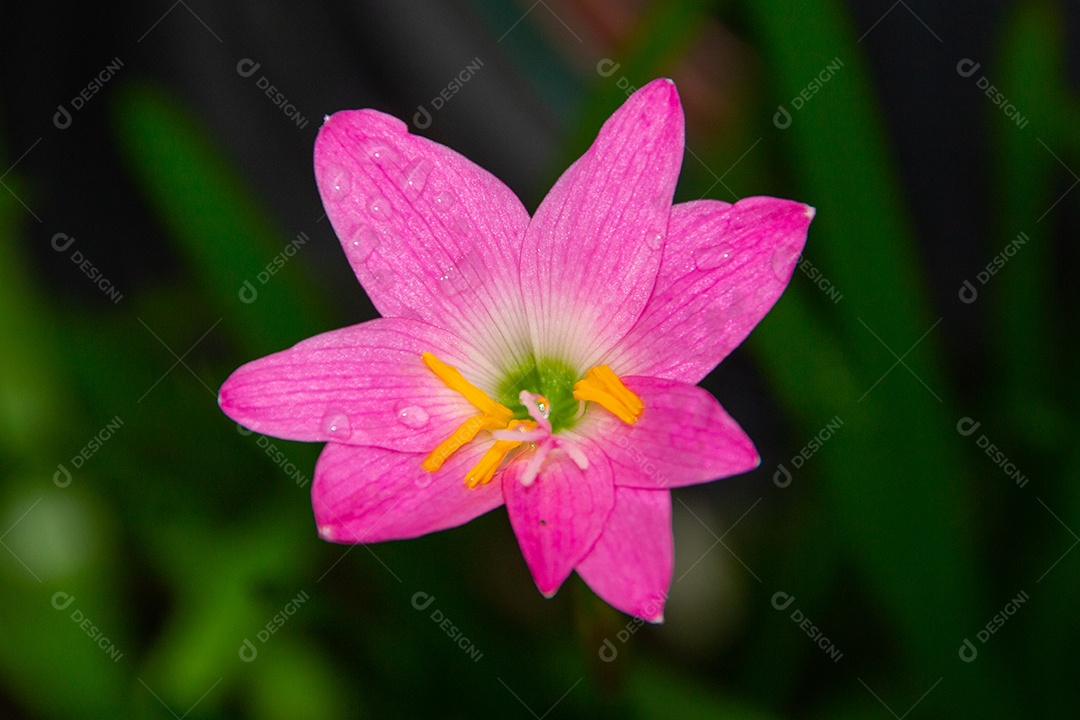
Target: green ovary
[{"x": 553, "y": 379}]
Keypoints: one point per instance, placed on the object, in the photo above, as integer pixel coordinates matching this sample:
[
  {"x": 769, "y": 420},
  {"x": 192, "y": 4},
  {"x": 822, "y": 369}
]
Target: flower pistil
[{"x": 600, "y": 385}]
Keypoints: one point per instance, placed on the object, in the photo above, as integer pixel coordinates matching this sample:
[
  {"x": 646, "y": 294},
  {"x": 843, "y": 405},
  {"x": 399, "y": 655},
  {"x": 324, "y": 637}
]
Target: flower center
[
  {"x": 524, "y": 417},
  {"x": 552, "y": 379}
]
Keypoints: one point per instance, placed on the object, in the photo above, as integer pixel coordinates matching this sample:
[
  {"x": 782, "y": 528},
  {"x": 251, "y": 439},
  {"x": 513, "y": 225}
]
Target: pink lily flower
[{"x": 548, "y": 363}]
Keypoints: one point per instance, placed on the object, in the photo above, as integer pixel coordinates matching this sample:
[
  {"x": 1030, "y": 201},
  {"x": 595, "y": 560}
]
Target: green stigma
[{"x": 553, "y": 379}]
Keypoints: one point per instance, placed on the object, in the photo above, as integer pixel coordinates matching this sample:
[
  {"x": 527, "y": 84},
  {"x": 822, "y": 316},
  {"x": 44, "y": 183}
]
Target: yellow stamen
[
  {"x": 477, "y": 397},
  {"x": 602, "y": 386},
  {"x": 493, "y": 415},
  {"x": 484, "y": 470},
  {"x": 460, "y": 437}
]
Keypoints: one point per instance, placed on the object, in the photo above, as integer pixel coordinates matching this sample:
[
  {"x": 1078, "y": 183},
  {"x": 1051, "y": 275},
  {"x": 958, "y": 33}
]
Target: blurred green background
[{"x": 905, "y": 547}]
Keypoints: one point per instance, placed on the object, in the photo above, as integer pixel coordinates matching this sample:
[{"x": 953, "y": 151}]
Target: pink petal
[
  {"x": 558, "y": 518},
  {"x": 361, "y": 385},
  {"x": 593, "y": 248},
  {"x": 630, "y": 566},
  {"x": 365, "y": 495},
  {"x": 429, "y": 234},
  {"x": 724, "y": 267},
  {"x": 683, "y": 437}
]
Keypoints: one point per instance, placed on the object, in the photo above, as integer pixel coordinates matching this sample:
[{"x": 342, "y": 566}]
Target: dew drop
[
  {"x": 380, "y": 207},
  {"x": 444, "y": 200},
  {"x": 336, "y": 424},
  {"x": 415, "y": 176},
  {"x": 653, "y": 239},
  {"x": 464, "y": 276},
  {"x": 364, "y": 242},
  {"x": 340, "y": 182},
  {"x": 460, "y": 224},
  {"x": 713, "y": 257},
  {"x": 381, "y": 154},
  {"x": 783, "y": 261},
  {"x": 411, "y": 416}
]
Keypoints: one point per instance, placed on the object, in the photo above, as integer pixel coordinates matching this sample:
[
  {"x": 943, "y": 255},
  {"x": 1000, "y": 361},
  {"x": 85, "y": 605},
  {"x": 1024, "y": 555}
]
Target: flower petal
[
  {"x": 365, "y": 495},
  {"x": 630, "y": 566},
  {"x": 683, "y": 437},
  {"x": 360, "y": 385},
  {"x": 429, "y": 234},
  {"x": 559, "y": 516},
  {"x": 593, "y": 248},
  {"x": 724, "y": 267}
]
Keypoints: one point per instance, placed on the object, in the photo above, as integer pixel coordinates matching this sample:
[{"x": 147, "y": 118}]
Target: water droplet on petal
[
  {"x": 444, "y": 200},
  {"x": 340, "y": 182},
  {"x": 467, "y": 275},
  {"x": 335, "y": 423},
  {"x": 710, "y": 258},
  {"x": 381, "y": 154},
  {"x": 380, "y": 277},
  {"x": 411, "y": 416},
  {"x": 783, "y": 261},
  {"x": 380, "y": 207},
  {"x": 364, "y": 241},
  {"x": 654, "y": 239},
  {"x": 460, "y": 223},
  {"x": 416, "y": 176}
]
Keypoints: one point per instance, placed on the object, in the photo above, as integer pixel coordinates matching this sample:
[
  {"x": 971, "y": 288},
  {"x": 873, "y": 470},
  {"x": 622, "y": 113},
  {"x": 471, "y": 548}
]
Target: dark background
[{"x": 180, "y": 538}]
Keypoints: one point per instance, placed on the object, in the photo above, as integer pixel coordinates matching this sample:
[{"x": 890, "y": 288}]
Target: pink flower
[{"x": 547, "y": 363}]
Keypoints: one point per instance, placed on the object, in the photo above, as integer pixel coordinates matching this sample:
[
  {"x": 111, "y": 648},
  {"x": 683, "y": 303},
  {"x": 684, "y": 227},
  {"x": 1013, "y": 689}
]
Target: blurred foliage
[{"x": 173, "y": 570}]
